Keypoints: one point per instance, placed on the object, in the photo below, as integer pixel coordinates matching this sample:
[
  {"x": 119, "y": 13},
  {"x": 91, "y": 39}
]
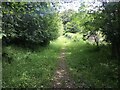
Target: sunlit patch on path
[{"x": 62, "y": 78}]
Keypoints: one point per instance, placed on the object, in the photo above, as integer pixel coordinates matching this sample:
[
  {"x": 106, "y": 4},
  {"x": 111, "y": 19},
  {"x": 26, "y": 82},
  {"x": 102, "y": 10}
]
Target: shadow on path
[{"x": 61, "y": 77}]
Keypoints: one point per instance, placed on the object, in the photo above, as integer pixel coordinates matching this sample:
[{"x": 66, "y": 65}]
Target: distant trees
[
  {"x": 101, "y": 22},
  {"x": 25, "y": 22},
  {"x": 69, "y": 24}
]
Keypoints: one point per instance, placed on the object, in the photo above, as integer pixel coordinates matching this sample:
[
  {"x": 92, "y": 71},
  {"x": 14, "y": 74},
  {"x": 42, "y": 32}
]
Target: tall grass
[
  {"x": 90, "y": 67},
  {"x": 32, "y": 69}
]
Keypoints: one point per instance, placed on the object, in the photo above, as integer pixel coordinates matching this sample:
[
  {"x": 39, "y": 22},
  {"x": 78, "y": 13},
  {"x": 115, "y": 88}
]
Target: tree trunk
[
  {"x": 96, "y": 41},
  {"x": 116, "y": 50}
]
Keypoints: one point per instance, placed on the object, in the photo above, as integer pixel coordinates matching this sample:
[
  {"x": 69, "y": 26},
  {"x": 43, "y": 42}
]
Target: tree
[
  {"x": 106, "y": 20},
  {"x": 111, "y": 26}
]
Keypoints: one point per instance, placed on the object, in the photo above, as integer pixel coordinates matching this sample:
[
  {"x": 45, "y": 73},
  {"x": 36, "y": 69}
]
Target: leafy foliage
[
  {"x": 29, "y": 22},
  {"x": 101, "y": 24},
  {"x": 111, "y": 26},
  {"x": 106, "y": 20}
]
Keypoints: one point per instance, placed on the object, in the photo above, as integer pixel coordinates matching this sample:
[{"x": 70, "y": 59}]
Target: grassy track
[{"x": 88, "y": 67}]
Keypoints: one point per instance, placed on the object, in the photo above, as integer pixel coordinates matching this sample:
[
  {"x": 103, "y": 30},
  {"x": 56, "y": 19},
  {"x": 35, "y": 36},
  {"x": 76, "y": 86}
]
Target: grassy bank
[
  {"x": 92, "y": 68},
  {"x": 30, "y": 68}
]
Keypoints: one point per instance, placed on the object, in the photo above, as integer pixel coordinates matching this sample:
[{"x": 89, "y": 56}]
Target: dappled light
[
  {"x": 60, "y": 45},
  {"x": 64, "y": 41},
  {"x": 61, "y": 77}
]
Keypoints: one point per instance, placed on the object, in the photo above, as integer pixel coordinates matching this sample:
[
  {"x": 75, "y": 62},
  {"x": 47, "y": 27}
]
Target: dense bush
[{"x": 29, "y": 23}]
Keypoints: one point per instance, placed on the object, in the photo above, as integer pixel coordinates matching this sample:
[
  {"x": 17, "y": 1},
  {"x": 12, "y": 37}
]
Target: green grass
[
  {"x": 92, "y": 68},
  {"x": 32, "y": 69}
]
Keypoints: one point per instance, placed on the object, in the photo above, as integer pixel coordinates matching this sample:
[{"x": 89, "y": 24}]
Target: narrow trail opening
[{"x": 61, "y": 77}]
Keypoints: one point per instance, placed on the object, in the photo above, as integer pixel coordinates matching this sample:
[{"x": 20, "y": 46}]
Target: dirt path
[{"x": 62, "y": 78}]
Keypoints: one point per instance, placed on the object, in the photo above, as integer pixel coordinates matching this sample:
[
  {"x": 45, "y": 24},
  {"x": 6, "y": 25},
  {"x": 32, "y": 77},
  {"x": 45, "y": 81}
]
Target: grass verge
[
  {"x": 30, "y": 69},
  {"x": 92, "y": 68}
]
